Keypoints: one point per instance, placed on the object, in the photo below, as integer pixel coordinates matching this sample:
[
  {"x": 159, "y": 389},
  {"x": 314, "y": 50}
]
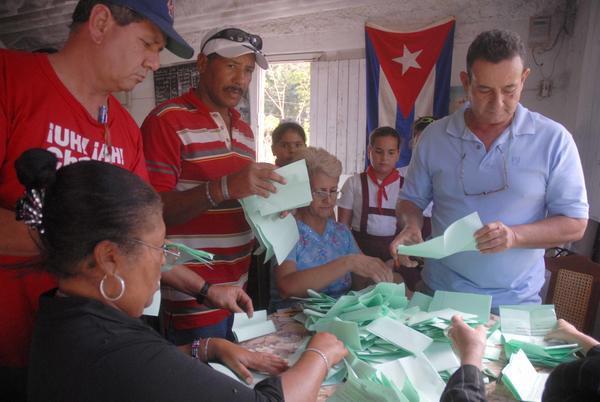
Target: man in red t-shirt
[
  {"x": 200, "y": 157},
  {"x": 53, "y": 102}
]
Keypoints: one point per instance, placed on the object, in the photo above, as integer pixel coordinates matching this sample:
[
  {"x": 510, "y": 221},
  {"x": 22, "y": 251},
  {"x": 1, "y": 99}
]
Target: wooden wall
[{"x": 338, "y": 110}]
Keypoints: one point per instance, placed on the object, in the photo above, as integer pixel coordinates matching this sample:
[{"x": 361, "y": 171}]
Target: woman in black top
[{"x": 101, "y": 233}]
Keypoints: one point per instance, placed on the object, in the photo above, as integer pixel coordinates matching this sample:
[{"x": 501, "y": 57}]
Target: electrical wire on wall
[{"x": 566, "y": 30}]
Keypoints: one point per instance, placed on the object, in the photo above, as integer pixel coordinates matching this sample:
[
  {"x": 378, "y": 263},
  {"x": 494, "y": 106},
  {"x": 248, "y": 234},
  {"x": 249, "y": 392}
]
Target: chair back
[{"x": 574, "y": 290}]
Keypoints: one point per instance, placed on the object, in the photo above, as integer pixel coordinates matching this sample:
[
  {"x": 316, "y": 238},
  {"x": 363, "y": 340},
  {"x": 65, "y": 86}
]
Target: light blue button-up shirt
[{"x": 535, "y": 160}]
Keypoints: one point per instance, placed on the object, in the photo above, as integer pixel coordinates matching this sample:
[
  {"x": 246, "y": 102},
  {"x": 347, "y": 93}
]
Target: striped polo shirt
[{"x": 185, "y": 145}]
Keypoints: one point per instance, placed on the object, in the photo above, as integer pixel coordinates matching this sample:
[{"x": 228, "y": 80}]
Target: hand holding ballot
[
  {"x": 459, "y": 236},
  {"x": 567, "y": 332},
  {"x": 495, "y": 237},
  {"x": 255, "y": 179},
  {"x": 276, "y": 233},
  {"x": 409, "y": 235},
  {"x": 469, "y": 342}
]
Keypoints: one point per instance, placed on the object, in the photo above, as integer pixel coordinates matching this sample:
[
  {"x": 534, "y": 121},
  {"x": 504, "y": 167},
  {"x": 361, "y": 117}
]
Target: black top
[
  {"x": 577, "y": 381},
  {"x": 83, "y": 350},
  {"x": 465, "y": 385}
]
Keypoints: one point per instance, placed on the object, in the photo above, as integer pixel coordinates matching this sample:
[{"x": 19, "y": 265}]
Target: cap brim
[
  {"x": 175, "y": 43},
  {"x": 232, "y": 49}
]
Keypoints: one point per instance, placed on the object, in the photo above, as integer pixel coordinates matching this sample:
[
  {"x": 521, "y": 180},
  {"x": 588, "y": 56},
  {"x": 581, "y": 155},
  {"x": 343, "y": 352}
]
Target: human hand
[
  {"x": 232, "y": 298},
  {"x": 495, "y": 237},
  {"x": 469, "y": 342},
  {"x": 256, "y": 178},
  {"x": 240, "y": 360},
  {"x": 567, "y": 332},
  {"x": 330, "y": 345},
  {"x": 409, "y": 235},
  {"x": 370, "y": 267}
]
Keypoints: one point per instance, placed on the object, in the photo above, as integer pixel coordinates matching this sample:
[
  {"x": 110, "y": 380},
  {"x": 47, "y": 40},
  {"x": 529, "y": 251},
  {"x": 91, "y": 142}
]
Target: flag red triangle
[{"x": 416, "y": 54}]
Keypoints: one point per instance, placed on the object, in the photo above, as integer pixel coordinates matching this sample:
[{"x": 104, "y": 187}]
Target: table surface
[{"x": 291, "y": 333}]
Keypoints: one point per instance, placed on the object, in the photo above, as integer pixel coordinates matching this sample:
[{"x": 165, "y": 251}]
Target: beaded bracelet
[
  {"x": 225, "y": 188},
  {"x": 208, "y": 196},
  {"x": 317, "y": 351},
  {"x": 195, "y": 348}
]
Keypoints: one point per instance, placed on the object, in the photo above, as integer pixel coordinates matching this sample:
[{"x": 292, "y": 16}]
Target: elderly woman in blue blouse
[{"x": 326, "y": 257}]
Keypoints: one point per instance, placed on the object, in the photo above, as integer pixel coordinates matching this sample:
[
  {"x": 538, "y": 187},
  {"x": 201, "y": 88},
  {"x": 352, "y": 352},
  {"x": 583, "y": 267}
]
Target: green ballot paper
[
  {"x": 456, "y": 238},
  {"x": 278, "y": 236},
  {"x": 522, "y": 380}
]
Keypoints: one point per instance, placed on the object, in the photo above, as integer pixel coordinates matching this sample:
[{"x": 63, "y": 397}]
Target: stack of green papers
[
  {"x": 522, "y": 380},
  {"x": 365, "y": 383},
  {"x": 435, "y": 323},
  {"x": 419, "y": 374},
  {"x": 278, "y": 236},
  {"x": 524, "y": 327},
  {"x": 397, "y": 348}
]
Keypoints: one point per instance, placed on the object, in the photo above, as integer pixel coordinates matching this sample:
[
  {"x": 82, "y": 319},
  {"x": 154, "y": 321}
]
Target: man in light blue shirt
[{"x": 518, "y": 169}]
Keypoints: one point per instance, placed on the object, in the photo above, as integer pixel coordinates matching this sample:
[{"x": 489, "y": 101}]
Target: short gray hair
[
  {"x": 495, "y": 46},
  {"x": 319, "y": 160}
]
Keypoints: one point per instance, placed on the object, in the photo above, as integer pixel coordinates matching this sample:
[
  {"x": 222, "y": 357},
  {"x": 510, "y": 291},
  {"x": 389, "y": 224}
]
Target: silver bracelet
[
  {"x": 206, "y": 349},
  {"x": 208, "y": 196},
  {"x": 317, "y": 351},
  {"x": 225, "y": 188}
]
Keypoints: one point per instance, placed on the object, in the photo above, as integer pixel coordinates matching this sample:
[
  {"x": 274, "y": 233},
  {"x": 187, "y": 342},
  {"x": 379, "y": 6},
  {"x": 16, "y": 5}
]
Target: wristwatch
[{"x": 203, "y": 292}]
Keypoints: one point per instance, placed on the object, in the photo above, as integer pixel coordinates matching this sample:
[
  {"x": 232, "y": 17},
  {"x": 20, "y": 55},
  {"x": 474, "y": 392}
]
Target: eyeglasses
[
  {"x": 504, "y": 171},
  {"x": 236, "y": 35},
  {"x": 170, "y": 252},
  {"x": 324, "y": 194}
]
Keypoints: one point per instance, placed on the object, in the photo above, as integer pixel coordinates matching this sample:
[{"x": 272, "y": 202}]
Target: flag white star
[{"x": 408, "y": 59}]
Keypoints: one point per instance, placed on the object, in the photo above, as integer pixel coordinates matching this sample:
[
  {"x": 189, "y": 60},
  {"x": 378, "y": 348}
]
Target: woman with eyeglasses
[
  {"x": 288, "y": 139},
  {"x": 101, "y": 233},
  {"x": 326, "y": 256}
]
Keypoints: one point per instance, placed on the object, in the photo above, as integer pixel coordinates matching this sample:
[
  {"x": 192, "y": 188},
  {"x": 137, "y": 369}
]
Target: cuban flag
[{"x": 408, "y": 76}]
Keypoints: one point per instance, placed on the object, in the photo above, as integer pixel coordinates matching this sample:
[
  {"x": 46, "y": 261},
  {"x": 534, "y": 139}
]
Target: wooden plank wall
[{"x": 338, "y": 117}]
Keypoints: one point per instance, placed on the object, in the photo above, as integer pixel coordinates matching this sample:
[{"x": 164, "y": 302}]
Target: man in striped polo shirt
[{"x": 201, "y": 159}]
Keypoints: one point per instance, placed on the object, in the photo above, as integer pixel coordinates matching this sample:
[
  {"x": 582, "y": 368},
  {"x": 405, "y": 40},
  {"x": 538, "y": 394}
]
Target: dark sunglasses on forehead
[
  {"x": 236, "y": 35},
  {"x": 423, "y": 122}
]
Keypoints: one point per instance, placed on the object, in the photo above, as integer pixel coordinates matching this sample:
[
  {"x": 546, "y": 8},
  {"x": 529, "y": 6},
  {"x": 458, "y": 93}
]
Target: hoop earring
[{"x": 103, "y": 292}]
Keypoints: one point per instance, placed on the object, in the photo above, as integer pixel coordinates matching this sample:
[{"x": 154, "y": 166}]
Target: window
[{"x": 285, "y": 95}]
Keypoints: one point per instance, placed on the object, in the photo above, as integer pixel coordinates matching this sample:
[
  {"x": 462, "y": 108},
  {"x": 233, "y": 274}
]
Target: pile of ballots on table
[
  {"x": 523, "y": 330},
  {"x": 398, "y": 348}
]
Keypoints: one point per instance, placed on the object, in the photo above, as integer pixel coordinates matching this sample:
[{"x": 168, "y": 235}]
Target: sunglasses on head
[
  {"x": 423, "y": 122},
  {"x": 236, "y": 35}
]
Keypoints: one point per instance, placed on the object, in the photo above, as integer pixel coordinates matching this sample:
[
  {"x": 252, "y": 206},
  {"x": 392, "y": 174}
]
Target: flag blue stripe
[
  {"x": 404, "y": 128},
  {"x": 443, "y": 71},
  {"x": 373, "y": 70}
]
